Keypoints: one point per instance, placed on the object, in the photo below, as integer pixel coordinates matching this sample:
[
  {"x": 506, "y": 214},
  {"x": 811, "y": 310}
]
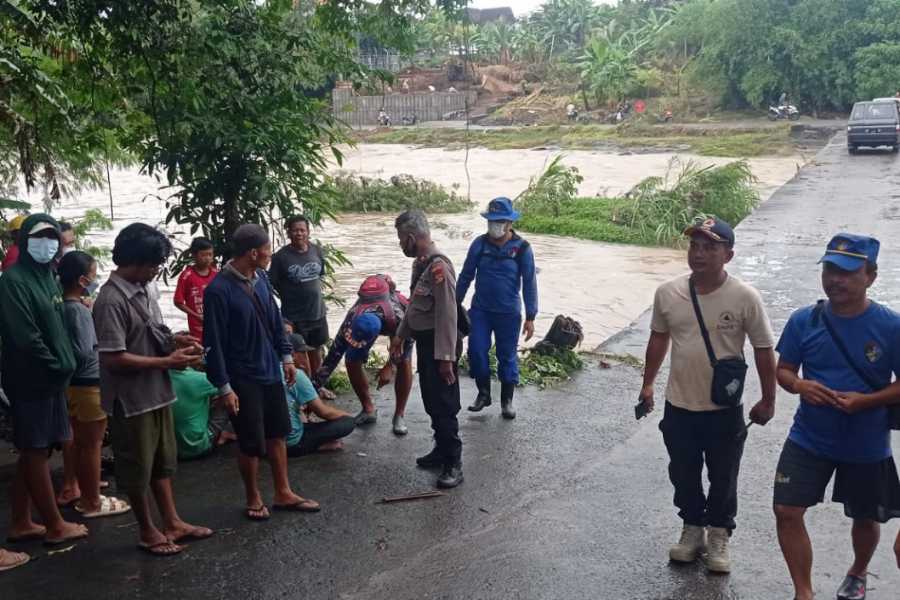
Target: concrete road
[{"x": 570, "y": 501}]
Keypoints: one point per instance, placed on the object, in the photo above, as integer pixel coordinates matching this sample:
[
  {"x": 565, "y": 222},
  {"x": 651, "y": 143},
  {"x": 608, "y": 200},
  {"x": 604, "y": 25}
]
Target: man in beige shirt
[
  {"x": 695, "y": 429},
  {"x": 431, "y": 319}
]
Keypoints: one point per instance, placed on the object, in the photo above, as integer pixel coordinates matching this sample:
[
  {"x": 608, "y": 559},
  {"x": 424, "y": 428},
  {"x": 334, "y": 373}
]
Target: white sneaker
[
  {"x": 717, "y": 558},
  {"x": 691, "y": 544}
]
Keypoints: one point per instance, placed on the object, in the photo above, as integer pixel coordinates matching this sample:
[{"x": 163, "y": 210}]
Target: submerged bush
[
  {"x": 365, "y": 194},
  {"x": 669, "y": 205},
  {"x": 655, "y": 212}
]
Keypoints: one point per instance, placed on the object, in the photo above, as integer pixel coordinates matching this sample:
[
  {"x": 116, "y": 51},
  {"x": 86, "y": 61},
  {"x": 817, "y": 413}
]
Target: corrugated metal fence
[{"x": 429, "y": 106}]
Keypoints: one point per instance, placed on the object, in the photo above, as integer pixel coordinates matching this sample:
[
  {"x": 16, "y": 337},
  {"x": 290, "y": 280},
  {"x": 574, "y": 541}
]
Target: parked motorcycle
[
  {"x": 409, "y": 120},
  {"x": 384, "y": 119},
  {"x": 788, "y": 111}
]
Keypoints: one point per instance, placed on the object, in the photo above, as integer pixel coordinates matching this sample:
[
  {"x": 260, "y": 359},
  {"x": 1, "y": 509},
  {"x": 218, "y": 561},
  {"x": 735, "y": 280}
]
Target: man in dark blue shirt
[
  {"x": 849, "y": 350},
  {"x": 246, "y": 353},
  {"x": 502, "y": 264}
]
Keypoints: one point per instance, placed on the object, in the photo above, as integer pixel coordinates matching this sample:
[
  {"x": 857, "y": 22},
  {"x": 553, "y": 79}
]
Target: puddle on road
[{"x": 604, "y": 286}]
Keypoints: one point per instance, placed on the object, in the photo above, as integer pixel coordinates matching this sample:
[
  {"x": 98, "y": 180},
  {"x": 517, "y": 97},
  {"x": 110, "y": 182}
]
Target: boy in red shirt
[{"x": 192, "y": 282}]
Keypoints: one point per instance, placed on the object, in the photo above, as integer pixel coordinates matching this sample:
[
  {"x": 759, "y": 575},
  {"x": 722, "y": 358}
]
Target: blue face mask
[
  {"x": 91, "y": 288},
  {"x": 42, "y": 250}
]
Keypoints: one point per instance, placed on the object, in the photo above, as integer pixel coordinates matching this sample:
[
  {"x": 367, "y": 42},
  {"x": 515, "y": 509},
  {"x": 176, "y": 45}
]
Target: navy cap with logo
[
  {"x": 715, "y": 229},
  {"x": 500, "y": 209},
  {"x": 851, "y": 252}
]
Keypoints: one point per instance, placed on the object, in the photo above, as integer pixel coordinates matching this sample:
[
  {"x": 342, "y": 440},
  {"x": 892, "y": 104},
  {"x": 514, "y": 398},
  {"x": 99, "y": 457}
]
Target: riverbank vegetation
[
  {"x": 365, "y": 194},
  {"x": 711, "y": 140},
  {"x": 654, "y": 212}
]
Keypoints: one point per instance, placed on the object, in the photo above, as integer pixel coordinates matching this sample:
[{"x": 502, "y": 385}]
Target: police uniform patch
[
  {"x": 873, "y": 352},
  {"x": 437, "y": 272}
]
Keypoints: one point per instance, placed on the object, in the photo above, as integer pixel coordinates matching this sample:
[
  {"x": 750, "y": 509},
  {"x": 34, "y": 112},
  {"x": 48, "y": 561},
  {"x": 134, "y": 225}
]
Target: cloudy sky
[{"x": 520, "y": 7}]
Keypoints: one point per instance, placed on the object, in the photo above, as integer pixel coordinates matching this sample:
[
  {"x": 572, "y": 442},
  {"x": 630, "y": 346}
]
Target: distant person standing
[
  {"x": 249, "y": 360},
  {"x": 848, "y": 349},
  {"x": 192, "y": 283},
  {"x": 296, "y": 274},
  {"x": 67, "y": 238},
  {"x": 501, "y": 264},
  {"x": 431, "y": 319},
  {"x": 37, "y": 363},
  {"x": 707, "y": 316}
]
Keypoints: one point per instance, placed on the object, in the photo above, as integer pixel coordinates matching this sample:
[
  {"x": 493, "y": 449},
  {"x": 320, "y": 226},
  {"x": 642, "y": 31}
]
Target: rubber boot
[
  {"x": 484, "y": 395},
  {"x": 507, "y": 390}
]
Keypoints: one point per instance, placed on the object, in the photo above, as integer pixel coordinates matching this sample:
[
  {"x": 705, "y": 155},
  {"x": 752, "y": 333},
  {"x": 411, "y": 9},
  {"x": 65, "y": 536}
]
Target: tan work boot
[
  {"x": 691, "y": 544},
  {"x": 717, "y": 559}
]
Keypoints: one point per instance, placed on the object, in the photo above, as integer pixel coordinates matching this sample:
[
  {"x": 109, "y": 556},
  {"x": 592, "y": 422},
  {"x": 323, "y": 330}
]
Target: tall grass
[
  {"x": 668, "y": 205},
  {"x": 655, "y": 212}
]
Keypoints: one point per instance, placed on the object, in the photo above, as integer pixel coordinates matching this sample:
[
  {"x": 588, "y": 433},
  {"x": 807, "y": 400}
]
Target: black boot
[
  {"x": 432, "y": 460},
  {"x": 484, "y": 395},
  {"x": 507, "y": 390},
  {"x": 451, "y": 476}
]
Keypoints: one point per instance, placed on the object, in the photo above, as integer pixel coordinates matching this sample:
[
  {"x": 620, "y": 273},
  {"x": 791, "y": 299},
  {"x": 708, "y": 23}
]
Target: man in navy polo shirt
[{"x": 841, "y": 425}]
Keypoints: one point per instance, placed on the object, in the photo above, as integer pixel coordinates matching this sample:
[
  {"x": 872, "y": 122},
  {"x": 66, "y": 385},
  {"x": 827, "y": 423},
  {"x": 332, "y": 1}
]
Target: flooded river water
[{"x": 604, "y": 286}]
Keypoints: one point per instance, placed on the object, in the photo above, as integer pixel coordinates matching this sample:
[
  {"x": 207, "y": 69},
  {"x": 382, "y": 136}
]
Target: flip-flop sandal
[
  {"x": 18, "y": 559},
  {"x": 154, "y": 549},
  {"x": 195, "y": 535},
  {"x": 65, "y": 540},
  {"x": 308, "y": 506},
  {"x": 109, "y": 507},
  {"x": 260, "y": 508},
  {"x": 28, "y": 537}
]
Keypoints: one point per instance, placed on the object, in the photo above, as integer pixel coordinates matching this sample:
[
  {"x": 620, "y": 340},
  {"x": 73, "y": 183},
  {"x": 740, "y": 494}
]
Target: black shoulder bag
[
  {"x": 893, "y": 411},
  {"x": 728, "y": 373},
  {"x": 463, "y": 324}
]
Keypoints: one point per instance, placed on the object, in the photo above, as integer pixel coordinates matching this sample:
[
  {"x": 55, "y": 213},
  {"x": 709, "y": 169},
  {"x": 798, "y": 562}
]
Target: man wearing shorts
[
  {"x": 841, "y": 427},
  {"x": 247, "y": 351},
  {"x": 136, "y": 351}
]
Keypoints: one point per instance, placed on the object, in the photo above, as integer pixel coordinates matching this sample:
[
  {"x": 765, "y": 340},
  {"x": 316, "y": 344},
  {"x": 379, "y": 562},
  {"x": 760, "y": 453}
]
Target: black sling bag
[
  {"x": 728, "y": 373},
  {"x": 893, "y": 411}
]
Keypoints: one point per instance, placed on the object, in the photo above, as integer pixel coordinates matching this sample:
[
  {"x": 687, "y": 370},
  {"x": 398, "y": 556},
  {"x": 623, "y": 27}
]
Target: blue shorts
[{"x": 361, "y": 354}]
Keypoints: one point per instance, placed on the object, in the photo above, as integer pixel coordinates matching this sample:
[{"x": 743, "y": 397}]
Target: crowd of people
[
  {"x": 81, "y": 362},
  {"x": 77, "y": 362}
]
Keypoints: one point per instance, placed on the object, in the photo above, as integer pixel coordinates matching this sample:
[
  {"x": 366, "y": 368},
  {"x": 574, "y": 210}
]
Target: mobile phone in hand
[{"x": 640, "y": 409}]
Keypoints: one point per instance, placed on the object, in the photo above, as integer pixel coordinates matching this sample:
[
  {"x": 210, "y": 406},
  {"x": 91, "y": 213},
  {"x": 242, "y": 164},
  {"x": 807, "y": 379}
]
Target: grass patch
[
  {"x": 654, "y": 212},
  {"x": 706, "y": 141},
  {"x": 538, "y": 369},
  {"x": 352, "y": 193}
]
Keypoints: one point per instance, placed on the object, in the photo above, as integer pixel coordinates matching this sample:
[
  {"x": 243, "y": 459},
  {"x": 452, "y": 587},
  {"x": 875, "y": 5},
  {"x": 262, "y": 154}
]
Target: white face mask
[
  {"x": 42, "y": 250},
  {"x": 497, "y": 229}
]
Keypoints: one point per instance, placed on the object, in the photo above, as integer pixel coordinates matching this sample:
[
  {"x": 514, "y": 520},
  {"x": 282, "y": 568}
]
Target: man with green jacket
[{"x": 37, "y": 362}]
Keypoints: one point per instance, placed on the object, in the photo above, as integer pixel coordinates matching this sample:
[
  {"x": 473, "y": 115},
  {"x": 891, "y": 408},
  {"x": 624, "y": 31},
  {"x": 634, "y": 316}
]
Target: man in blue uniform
[
  {"x": 849, "y": 351},
  {"x": 502, "y": 264}
]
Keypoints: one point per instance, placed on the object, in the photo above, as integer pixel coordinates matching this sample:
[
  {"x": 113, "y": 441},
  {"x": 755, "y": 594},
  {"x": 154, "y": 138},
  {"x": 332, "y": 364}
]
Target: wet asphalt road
[{"x": 569, "y": 501}]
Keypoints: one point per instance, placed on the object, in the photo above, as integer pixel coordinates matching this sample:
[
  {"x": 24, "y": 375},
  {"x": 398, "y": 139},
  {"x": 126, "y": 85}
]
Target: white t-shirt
[{"x": 732, "y": 313}]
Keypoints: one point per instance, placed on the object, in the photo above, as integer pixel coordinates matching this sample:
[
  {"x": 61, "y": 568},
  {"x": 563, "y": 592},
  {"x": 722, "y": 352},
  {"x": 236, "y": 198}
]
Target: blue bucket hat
[
  {"x": 851, "y": 252},
  {"x": 364, "y": 329},
  {"x": 500, "y": 209}
]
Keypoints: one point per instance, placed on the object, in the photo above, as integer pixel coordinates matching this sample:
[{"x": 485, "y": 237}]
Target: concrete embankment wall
[{"x": 358, "y": 111}]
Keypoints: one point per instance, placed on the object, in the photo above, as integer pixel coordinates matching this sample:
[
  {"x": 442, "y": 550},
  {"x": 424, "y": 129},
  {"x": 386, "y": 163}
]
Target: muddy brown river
[{"x": 604, "y": 286}]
